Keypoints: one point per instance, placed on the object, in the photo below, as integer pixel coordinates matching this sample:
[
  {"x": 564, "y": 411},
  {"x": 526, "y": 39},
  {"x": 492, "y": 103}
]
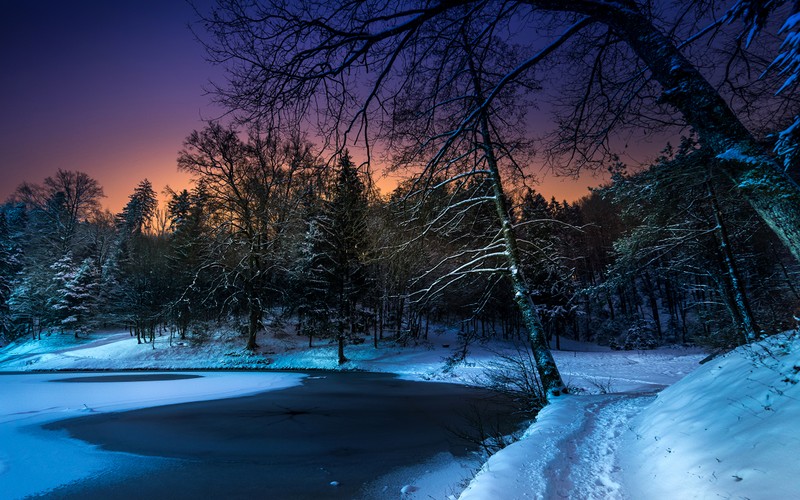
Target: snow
[
  {"x": 441, "y": 477},
  {"x": 32, "y": 462},
  {"x": 736, "y": 154},
  {"x": 584, "y": 365},
  {"x": 726, "y": 430},
  {"x": 789, "y": 59}
]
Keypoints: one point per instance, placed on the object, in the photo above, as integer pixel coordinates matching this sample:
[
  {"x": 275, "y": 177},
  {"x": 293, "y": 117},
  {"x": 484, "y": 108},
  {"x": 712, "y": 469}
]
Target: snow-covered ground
[
  {"x": 728, "y": 430},
  {"x": 725, "y": 430},
  {"x": 583, "y": 365}
]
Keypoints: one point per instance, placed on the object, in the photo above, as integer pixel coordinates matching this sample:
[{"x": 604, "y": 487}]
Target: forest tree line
[{"x": 270, "y": 234}]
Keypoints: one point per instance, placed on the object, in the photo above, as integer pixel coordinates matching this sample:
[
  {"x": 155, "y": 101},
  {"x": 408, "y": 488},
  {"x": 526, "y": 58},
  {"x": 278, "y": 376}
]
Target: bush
[
  {"x": 638, "y": 337},
  {"x": 515, "y": 375}
]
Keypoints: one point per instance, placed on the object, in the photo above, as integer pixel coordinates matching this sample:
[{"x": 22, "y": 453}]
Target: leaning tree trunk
[
  {"x": 759, "y": 177},
  {"x": 552, "y": 383}
]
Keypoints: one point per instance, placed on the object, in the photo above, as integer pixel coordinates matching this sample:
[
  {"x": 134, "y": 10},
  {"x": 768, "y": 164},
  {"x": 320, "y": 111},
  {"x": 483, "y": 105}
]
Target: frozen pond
[{"x": 350, "y": 429}]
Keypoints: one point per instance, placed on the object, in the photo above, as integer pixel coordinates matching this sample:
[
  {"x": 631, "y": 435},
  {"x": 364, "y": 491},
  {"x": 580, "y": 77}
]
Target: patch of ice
[{"x": 36, "y": 461}]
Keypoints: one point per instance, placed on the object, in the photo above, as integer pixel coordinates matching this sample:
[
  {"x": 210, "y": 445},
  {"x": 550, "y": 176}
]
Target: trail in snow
[
  {"x": 586, "y": 465},
  {"x": 572, "y": 451}
]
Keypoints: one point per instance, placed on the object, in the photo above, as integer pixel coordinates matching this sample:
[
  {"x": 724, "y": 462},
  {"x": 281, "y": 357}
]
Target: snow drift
[{"x": 728, "y": 430}]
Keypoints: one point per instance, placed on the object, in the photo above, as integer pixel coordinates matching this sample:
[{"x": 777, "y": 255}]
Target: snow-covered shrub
[
  {"x": 638, "y": 337},
  {"x": 514, "y": 374}
]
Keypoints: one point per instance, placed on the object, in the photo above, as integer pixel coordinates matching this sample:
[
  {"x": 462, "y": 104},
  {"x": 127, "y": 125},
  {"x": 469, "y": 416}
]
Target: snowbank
[{"x": 728, "y": 430}]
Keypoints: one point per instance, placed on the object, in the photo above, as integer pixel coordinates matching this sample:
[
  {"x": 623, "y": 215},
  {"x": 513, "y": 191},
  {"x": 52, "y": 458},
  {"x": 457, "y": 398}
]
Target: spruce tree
[
  {"x": 340, "y": 249},
  {"x": 75, "y": 294}
]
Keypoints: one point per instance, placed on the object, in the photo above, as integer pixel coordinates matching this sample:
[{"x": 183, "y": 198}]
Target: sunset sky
[{"x": 112, "y": 89}]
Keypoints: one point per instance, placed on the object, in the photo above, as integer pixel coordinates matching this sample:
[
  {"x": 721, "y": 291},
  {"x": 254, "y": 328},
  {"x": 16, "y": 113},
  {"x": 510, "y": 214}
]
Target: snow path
[
  {"x": 571, "y": 452},
  {"x": 587, "y": 466}
]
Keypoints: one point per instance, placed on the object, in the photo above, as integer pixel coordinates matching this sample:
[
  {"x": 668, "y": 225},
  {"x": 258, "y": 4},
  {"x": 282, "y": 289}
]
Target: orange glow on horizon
[{"x": 119, "y": 172}]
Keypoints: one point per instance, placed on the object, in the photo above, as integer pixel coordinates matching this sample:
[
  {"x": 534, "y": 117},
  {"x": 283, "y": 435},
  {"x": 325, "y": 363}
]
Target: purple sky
[
  {"x": 110, "y": 88},
  {"x": 107, "y": 87}
]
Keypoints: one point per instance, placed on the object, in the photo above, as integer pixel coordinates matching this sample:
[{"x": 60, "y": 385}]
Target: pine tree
[
  {"x": 75, "y": 294},
  {"x": 138, "y": 212},
  {"x": 310, "y": 286},
  {"x": 142, "y": 264},
  {"x": 187, "y": 212},
  {"x": 340, "y": 246}
]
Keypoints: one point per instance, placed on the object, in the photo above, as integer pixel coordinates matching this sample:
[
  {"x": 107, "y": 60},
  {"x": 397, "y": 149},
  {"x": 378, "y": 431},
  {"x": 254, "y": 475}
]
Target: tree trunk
[
  {"x": 760, "y": 179},
  {"x": 740, "y": 300},
  {"x": 552, "y": 383},
  {"x": 651, "y": 296},
  {"x": 253, "y": 323},
  {"x": 340, "y": 343}
]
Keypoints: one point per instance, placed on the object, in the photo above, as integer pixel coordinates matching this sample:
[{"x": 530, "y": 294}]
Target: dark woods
[{"x": 268, "y": 235}]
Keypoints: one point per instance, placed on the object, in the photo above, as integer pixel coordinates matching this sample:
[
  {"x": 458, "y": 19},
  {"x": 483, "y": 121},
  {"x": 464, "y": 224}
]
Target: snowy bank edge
[{"x": 518, "y": 470}]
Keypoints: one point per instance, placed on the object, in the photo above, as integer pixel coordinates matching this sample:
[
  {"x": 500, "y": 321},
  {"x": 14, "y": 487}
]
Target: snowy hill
[{"x": 728, "y": 430}]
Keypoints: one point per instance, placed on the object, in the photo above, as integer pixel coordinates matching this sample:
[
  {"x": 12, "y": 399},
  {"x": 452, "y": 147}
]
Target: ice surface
[{"x": 33, "y": 461}]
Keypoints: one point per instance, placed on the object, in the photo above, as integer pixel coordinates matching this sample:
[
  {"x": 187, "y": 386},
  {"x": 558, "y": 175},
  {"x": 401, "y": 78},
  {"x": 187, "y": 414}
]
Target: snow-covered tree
[
  {"x": 10, "y": 265},
  {"x": 74, "y": 294},
  {"x": 309, "y": 287},
  {"x": 693, "y": 246},
  {"x": 787, "y": 146}
]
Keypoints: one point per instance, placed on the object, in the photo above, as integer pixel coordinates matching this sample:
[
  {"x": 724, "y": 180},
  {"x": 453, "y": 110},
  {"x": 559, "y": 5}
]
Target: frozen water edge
[
  {"x": 584, "y": 365},
  {"x": 32, "y": 462}
]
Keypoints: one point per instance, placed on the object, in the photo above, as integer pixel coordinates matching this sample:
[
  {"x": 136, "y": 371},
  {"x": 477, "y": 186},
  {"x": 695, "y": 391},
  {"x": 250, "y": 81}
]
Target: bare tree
[
  {"x": 249, "y": 187},
  {"x": 64, "y": 201},
  {"x": 353, "y": 59}
]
